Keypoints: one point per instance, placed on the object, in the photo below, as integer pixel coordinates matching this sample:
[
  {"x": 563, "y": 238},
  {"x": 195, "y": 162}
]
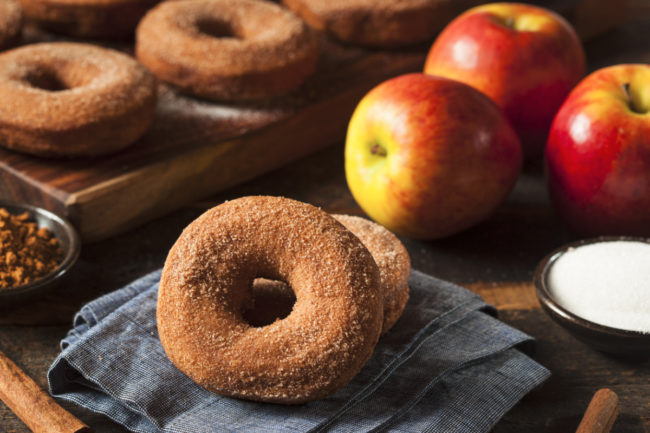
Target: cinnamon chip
[{"x": 27, "y": 252}]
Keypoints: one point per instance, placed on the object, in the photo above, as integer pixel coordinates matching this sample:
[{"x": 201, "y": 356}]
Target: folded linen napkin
[{"x": 446, "y": 366}]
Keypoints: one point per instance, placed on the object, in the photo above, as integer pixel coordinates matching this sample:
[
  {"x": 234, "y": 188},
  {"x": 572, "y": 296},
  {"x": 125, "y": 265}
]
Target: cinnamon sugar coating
[
  {"x": 11, "y": 19},
  {"x": 274, "y": 299},
  {"x": 69, "y": 99},
  {"x": 392, "y": 260},
  {"x": 377, "y": 23},
  {"x": 227, "y": 49},
  {"x": 110, "y": 19},
  {"x": 206, "y": 282}
]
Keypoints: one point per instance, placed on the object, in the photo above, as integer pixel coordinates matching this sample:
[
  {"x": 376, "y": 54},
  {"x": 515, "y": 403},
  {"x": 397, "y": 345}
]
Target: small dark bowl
[
  {"x": 70, "y": 244},
  {"x": 603, "y": 338}
]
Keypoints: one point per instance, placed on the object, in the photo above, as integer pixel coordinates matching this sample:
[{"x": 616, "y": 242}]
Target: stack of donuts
[
  {"x": 342, "y": 280},
  {"x": 78, "y": 100}
]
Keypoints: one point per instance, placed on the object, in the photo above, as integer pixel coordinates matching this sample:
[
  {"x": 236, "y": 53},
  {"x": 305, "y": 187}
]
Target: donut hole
[
  {"x": 48, "y": 80},
  {"x": 272, "y": 300},
  {"x": 57, "y": 76},
  {"x": 217, "y": 28}
]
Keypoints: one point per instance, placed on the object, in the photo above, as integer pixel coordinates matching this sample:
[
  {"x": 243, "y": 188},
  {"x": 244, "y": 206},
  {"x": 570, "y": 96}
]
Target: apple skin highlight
[
  {"x": 598, "y": 154},
  {"x": 526, "y": 58},
  {"x": 428, "y": 157}
]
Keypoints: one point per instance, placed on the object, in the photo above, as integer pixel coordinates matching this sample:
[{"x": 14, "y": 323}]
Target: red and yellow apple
[
  {"x": 428, "y": 157},
  {"x": 598, "y": 153},
  {"x": 526, "y": 58}
]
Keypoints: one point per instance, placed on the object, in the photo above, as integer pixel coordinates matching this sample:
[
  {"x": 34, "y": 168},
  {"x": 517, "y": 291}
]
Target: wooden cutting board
[{"x": 196, "y": 148}]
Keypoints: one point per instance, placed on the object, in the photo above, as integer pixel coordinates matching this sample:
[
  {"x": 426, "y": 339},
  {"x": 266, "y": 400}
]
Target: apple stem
[{"x": 378, "y": 150}]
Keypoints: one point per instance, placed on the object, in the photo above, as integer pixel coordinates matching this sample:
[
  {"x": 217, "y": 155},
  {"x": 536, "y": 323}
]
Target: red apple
[
  {"x": 428, "y": 157},
  {"x": 598, "y": 153},
  {"x": 526, "y": 58}
]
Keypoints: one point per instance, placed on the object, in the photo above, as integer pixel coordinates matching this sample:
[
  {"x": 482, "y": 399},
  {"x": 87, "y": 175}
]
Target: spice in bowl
[
  {"x": 27, "y": 252},
  {"x": 607, "y": 283}
]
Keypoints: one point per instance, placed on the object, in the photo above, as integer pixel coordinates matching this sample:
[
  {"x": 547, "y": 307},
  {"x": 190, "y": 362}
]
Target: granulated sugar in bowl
[{"x": 607, "y": 283}]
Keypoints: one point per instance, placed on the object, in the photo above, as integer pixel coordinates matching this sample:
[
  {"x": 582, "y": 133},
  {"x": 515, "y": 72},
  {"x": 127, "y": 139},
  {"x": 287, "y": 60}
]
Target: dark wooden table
[{"x": 495, "y": 258}]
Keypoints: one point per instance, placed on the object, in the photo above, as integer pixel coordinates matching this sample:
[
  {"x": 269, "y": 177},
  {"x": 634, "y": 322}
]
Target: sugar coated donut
[
  {"x": 206, "y": 281},
  {"x": 88, "y": 18},
  {"x": 392, "y": 260},
  {"x": 11, "y": 18},
  {"x": 69, "y": 99},
  {"x": 227, "y": 49},
  {"x": 377, "y": 23},
  {"x": 273, "y": 300}
]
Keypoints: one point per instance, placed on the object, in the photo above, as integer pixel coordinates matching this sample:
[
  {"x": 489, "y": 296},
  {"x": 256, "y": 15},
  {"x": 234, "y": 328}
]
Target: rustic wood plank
[
  {"x": 507, "y": 295},
  {"x": 153, "y": 189}
]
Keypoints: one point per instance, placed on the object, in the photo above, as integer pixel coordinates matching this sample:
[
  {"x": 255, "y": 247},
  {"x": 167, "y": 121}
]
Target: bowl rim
[
  {"x": 69, "y": 258},
  {"x": 546, "y": 297}
]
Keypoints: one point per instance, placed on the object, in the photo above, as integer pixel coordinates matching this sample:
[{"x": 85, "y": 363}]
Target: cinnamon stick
[
  {"x": 601, "y": 413},
  {"x": 32, "y": 405}
]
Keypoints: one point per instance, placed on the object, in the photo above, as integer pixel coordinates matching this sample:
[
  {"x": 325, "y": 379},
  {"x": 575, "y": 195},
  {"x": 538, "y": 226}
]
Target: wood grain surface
[{"x": 495, "y": 258}]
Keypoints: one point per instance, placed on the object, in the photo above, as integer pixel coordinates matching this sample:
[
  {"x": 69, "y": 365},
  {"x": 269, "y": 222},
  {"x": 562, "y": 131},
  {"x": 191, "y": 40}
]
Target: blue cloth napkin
[{"x": 446, "y": 366}]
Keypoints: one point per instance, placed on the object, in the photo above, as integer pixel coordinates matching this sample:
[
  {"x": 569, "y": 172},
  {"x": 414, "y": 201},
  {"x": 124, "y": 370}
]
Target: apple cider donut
[
  {"x": 330, "y": 333},
  {"x": 227, "y": 49},
  {"x": 110, "y": 19},
  {"x": 69, "y": 99},
  {"x": 392, "y": 260},
  {"x": 273, "y": 300},
  {"x": 377, "y": 23},
  {"x": 11, "y": 18}
]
